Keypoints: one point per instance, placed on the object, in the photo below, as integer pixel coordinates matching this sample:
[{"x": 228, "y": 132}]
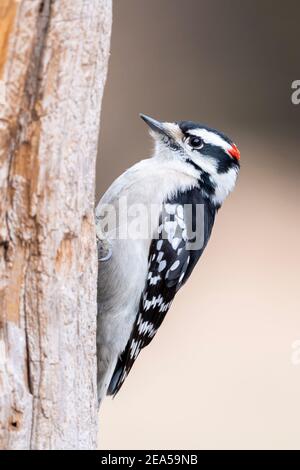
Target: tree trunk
[{"x": 53, "y": 63}]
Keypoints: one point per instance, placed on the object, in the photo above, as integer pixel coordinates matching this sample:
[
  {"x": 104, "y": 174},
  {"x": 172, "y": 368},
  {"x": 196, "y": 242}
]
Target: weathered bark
[{"x": 53, "y": 62}]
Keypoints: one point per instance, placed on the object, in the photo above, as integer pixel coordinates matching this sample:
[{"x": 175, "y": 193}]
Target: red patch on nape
[{"x": 234, "y": 152}]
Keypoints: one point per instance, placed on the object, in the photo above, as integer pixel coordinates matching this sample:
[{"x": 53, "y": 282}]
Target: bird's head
[{"x": 205, "y": 149}]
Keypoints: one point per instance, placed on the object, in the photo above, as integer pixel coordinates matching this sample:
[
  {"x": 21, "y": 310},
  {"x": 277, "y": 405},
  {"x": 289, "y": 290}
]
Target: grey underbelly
[{"x": 121, "y": 281}]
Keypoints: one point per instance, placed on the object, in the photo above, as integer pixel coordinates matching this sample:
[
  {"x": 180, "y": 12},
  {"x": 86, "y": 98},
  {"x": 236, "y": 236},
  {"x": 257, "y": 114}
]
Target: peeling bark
[{"x": 53, "y": 63}]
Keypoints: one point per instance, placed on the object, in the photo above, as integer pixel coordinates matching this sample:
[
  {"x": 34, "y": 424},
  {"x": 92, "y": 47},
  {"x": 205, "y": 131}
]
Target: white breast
[{"x": 122, "y": 278}]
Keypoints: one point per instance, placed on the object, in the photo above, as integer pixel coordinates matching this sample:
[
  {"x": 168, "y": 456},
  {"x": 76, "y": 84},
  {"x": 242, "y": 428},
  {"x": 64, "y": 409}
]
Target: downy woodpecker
[{"x": 193, "y": 166}]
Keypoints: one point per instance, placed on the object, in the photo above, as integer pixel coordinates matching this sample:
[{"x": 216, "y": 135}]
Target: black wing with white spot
[{"x": 182, "y": 236}]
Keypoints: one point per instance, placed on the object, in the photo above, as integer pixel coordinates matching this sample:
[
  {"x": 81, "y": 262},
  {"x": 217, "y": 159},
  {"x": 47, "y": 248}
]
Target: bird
[{"x": 182, "y": 185}]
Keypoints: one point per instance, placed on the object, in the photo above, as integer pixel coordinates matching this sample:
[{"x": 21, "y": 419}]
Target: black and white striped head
[{"x": 205, "y": 149}]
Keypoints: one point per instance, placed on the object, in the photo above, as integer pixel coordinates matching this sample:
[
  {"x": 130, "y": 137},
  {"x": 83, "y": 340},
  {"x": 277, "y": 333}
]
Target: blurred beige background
[{"x": 221, "y": 372}]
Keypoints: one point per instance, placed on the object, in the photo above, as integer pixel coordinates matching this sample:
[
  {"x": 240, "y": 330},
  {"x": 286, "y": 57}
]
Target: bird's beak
[{"x": 156, "y": 126}]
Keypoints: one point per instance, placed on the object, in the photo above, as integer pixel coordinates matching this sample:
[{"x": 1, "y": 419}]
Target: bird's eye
[{"x": 195, "y": 142}]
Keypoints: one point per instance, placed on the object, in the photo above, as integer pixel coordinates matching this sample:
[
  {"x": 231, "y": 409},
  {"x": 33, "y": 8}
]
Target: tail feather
[
  {"x": 105, "y": 373},
  {"x": 112, "y": 388}
]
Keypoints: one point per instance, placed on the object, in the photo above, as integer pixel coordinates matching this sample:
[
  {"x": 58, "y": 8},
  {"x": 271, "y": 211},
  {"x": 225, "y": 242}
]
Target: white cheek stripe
[{"x": 210, "y": 138}]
